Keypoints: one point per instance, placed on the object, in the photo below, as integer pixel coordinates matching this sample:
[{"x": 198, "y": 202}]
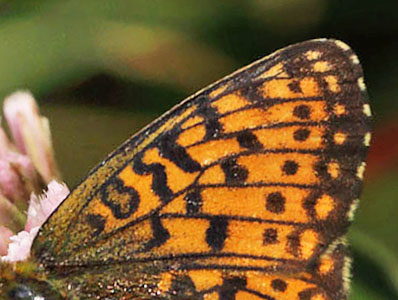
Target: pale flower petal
[
  {"x": 20, "y": 109},
  {"x": 19, "y": 248},
  {"x": 40, "y": 208},
  {"x": 30, "y": 132}
]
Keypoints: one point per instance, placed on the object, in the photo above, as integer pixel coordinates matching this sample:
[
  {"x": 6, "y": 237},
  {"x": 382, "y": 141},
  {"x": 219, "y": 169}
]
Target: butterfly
[{"x": 245, "y": 190}]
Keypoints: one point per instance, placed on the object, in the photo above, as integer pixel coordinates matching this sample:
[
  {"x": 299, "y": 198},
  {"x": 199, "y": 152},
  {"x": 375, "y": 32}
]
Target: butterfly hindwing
[{"x": 240, "y": 192}]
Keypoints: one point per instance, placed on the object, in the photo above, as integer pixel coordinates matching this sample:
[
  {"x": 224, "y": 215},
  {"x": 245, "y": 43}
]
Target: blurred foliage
[{"x": 103, "y": 69}]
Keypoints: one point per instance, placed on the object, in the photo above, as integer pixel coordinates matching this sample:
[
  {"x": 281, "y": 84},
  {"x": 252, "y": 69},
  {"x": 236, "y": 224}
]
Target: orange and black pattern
[{"x": 243, "y": 191}]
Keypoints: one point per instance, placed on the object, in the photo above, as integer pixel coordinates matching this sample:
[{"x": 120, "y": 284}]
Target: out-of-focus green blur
[{"x": 103, "y": 69}]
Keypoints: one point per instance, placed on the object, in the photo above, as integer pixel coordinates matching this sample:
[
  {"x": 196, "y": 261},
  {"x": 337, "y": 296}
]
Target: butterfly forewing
[{"x": 243, "y": 191}]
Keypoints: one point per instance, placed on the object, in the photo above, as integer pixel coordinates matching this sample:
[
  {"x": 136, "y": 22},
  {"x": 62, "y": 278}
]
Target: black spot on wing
[
  {"x": 247, "y": 139},
  {"x": 302, "y": 112},
  {"x": 234, "y": 173},
  {"x": 290, "y": 167},
  {"x": 114, "y": 192},
  {"x": 279, "y": 285},
  {"x": 231, "y": 286},
  {"x": 251, "y": 92},
  {"x": 159, "y": 181},
  {"x": 275, "y": 203},
  {"x": 97, "y": 222},
  {"x": 217, "y": 233},
  {"x": 193, "y": 201},
  {"x": 293, "y": 243},
  {"x": 294, "y": 86},
  {"x": 270, "y": 236},
  {"x": 301, "y": 134},
  {"x": 183, "y": 286},
  {"x": 210, "y": 115},
  {"x": 177, "y": 154},
  {"x": 160, "y": 234}
]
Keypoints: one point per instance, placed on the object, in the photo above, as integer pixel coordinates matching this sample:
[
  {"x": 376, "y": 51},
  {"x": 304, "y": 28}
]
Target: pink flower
[
  {"x": 19, "y": 248},
  {"x": 27, "y": 164},
  {"x": 31, "y": 132},
  {"x": 40, "y": 209}
]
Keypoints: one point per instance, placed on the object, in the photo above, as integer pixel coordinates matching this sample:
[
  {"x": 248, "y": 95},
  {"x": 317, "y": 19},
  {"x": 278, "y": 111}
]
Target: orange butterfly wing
[{"x": 243, "y": 191}]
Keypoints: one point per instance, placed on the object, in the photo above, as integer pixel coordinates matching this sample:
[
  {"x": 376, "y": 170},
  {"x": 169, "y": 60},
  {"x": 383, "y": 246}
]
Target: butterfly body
[{"x": 243, "y": 191}]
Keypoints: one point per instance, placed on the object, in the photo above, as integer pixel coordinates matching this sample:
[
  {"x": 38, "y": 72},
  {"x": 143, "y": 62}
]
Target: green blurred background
[{"x": 103, "y": 69}]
